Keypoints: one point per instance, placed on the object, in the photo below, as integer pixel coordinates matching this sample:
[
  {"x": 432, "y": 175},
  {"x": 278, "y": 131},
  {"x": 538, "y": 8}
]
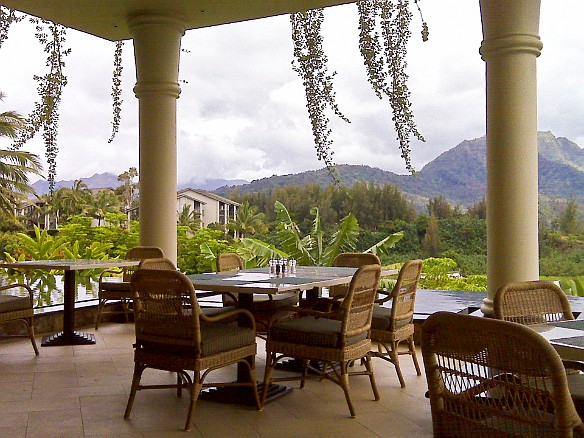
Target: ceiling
[{"x": 108, "y": 18}]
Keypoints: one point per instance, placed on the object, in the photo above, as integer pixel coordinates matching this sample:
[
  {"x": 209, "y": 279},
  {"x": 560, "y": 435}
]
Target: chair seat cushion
[
  {"x": 381, "y": 319},
  {"x": 309, "y": 330},
  {"x": 215, "y": 338},
  {"x": 11, "y": 303},
  {"x": 115, "y": 286}
]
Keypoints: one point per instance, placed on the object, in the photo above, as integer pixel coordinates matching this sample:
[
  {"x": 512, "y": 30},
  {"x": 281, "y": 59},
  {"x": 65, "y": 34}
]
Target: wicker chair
[
  {"x": 120, "y": 290},
  {"x": 494, "y": 378},
  {"x": 391, "y": 326},
  {"x": 264, "y": 305},
  {"x": 173, "y": 334},
  {"x": 351, "y": 260},
  {"x": 335, "y": 338},
  {"x": 537, "y": 302},
  {"x": 166, "y": 264},
  {"x": 531, "y": 302},
  {"x": 15, "y": 307}
]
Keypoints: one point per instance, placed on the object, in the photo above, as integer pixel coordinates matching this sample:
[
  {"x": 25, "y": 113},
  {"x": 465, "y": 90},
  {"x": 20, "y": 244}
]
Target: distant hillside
[
  {"x": 459, "y": 174},
  {"x": 109, "y": 180}
]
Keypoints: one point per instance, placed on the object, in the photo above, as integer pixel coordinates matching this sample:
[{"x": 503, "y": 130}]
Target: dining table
[
  {"x": 567, "y": 337},
  {"x": 247, "y": 282},
  {"x": 69, "y": 266}
]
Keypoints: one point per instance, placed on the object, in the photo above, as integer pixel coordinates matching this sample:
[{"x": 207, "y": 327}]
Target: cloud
[{"x": 242, "y": 114}]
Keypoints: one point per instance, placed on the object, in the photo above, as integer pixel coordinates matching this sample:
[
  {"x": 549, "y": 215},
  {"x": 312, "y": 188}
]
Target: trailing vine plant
[
  {"x": 310, "y": 62},
  {"x": 386, "y": 69},
  {"x": 117, "y": 90},
  {"x": 384, "y": 62},
  {"x": 45, "y": 114}
]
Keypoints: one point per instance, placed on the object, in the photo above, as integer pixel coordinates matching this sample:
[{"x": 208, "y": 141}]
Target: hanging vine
[
  {"x": 310, "y": 62},
  {"x": 386, "y": 63},
  {"x": 45, "y": 115},
  {"x": 117, "y": 90},
  {"x": 7, "y": 17}
]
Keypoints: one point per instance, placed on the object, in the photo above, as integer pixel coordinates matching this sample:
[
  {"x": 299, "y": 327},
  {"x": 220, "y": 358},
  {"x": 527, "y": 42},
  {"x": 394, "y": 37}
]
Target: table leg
[
  {"x": 242, "y": 395},
  {"x": 68, "y": 336}
]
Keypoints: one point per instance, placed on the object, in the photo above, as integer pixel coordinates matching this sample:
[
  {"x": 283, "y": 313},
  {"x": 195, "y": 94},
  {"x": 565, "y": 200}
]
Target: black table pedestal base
[
  {"x": 242, "y": 395},
  {"x": 75, "y": 338}
]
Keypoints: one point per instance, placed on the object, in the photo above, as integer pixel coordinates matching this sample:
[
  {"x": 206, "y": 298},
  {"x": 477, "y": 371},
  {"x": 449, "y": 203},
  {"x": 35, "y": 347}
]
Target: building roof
[{"x": 207, "y": 194}]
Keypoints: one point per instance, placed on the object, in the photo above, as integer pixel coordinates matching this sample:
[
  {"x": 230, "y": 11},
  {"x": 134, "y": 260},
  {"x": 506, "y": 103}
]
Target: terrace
[{"x": 83, "y": 390}]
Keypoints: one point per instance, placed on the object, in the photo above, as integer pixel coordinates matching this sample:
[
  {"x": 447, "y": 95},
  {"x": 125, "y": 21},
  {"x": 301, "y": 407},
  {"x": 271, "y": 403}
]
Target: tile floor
[{"x": 81, "y": 391}]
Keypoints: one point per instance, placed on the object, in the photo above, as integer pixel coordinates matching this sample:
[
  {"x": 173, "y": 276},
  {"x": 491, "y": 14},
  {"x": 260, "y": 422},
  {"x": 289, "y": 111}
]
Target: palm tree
[
  {"x": 248, "y": 220},
  {"x": 72, "y": 201},
  {"x": 14, "y": 166},
  {"x": 106, "y": 201},
  {"x": 188, "y": 218}
]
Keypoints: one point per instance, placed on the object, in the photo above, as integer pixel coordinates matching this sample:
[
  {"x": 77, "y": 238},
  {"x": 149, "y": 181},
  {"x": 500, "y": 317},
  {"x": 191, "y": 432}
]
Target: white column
[
  {"x": 157, "y": 54},
  {"x": 510, "y": 47}
]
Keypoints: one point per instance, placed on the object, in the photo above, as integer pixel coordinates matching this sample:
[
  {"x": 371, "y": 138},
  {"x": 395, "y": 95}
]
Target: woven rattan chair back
[
  {"x": 111, "y": 291},
  {"x": 229, "y": 261},
  {"x": 351, "y": 260},
  {"x": 140, "y": 253},
  {"x": 357, "y": 306},
  {"x": 531, "y": 302},
  {"x": 404, "y": 294},
  {"x": 494, "y": 378},
  {"x": 391, "y": 326},
  {"x": 165, "y": 308},
  {"x": 161, "y": 263}
]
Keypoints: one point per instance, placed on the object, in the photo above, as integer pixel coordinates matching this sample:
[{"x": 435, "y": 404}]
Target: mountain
[
  {"x": 109, "y": 180},
  {"x": 459, "y": 174}
]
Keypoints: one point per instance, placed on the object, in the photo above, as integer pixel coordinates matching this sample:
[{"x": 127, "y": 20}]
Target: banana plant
[{"x": 312, "y": 249}]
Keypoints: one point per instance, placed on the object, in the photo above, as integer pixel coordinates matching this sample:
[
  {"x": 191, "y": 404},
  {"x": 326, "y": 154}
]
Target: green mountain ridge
[{"x": 458, "y": 174}]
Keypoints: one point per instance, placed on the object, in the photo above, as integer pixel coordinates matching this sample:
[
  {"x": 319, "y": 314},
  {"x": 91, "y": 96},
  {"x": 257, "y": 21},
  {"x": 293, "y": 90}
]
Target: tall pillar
[
  {"x": 510, "y": 47},
  {"x": 157, "y": 54}
]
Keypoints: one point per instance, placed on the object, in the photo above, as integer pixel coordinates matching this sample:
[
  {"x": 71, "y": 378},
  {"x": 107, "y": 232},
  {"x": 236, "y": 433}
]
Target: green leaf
[{"x": 381, "y": 248}]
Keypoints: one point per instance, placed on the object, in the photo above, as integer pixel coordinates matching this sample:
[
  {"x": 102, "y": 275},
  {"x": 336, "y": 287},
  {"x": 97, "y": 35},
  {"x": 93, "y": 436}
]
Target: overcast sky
[{"x": 242, "y": 115}]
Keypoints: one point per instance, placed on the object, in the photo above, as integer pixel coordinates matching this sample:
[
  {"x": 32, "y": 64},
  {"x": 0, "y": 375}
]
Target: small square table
[{"x": 68, "y": 336}]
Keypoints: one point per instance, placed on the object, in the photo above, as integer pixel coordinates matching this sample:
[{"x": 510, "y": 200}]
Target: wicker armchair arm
[
  {"x": 326, "y": 304},
  {"x": 214, "y": 294},
  {"x": 110, "y": 272},
  {"x": 19, "y": 285},
  {"x": 229, "y": 315},
  {"x": 573, "y": 364},
  {"x": 388, "y": 296}
]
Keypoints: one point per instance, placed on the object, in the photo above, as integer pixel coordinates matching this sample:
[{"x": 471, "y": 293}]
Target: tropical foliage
[{"x": 14, "y": 166}]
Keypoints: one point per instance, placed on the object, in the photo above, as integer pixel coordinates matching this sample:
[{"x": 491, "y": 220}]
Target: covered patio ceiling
[{"x": 108, "y": 19}]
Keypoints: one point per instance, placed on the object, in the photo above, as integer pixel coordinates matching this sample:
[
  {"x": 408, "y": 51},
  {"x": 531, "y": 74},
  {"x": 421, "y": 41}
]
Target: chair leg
[
  {"x": 395, "y": 359},
  {"x": 99, "y": 310},
  {"x": 195, "y": 390},
  {"x": 126, "y": 308},
  {"x": 412, "y": 349},
  {"x": 138, "y": 370},
  {"x": 344, "y": 382},
  {"x": 369, "y": 366},
  {"x": 305, "y": 364},
  {"x": 30, "y": 330},
  {"x": 270, "y": 363},
  {"x": 250, "y": 360}
]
